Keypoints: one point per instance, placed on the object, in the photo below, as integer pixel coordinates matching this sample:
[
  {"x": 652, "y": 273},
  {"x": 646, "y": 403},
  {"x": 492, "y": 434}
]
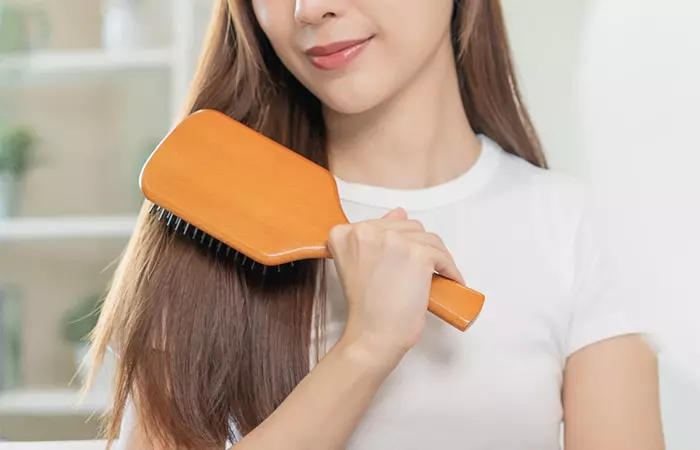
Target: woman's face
[{"x": 354, "y": 54}]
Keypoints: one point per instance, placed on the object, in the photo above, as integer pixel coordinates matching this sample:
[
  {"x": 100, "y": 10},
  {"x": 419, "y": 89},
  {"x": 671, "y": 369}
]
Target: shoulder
[
  {"x": 559, "y": 214},
  {"x": 541, "y": 194}
]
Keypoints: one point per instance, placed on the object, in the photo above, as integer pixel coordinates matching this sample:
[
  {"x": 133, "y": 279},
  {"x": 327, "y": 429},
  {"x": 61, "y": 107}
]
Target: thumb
[{"x": 396, "y": 214}]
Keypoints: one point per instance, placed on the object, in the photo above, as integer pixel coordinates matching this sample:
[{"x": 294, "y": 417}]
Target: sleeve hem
[{"x": 611, "y": 327}]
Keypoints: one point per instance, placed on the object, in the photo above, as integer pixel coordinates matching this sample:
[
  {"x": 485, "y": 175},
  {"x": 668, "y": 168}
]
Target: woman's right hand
[{"x": 386, "y": 268}]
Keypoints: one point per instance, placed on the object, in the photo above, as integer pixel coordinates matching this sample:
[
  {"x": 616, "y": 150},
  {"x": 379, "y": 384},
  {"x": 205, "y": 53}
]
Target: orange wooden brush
[{"x": 247, "y": 198}]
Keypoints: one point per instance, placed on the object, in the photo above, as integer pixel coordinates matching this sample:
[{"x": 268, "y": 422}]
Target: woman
[{"x": 414, "y": 106}]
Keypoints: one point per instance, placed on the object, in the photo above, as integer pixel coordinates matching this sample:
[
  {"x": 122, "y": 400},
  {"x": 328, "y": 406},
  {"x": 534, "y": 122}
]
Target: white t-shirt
[{"x": 527, "y": 240}]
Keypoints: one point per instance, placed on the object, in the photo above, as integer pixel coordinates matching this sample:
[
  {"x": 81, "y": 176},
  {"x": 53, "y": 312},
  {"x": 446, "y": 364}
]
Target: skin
[{"x": 406, "y": 80}]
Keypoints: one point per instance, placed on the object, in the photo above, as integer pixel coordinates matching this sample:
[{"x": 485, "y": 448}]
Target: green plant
[
  {"x": 79, "y": 321},
  {"x": 17, "y": 150}
]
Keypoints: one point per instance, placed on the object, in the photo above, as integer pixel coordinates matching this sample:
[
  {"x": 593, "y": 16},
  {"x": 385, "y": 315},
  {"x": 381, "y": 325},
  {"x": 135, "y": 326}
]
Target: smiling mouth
[{"x": 338, "y": 54}]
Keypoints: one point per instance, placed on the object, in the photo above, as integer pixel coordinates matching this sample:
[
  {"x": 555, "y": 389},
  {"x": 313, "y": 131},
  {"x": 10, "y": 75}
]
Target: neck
[{"x": 419, "y": 138}]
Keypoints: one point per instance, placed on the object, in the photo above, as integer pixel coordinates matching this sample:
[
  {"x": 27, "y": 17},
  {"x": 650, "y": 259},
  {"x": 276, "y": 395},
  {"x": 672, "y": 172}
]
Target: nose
[{"x": 315, "y": 12}]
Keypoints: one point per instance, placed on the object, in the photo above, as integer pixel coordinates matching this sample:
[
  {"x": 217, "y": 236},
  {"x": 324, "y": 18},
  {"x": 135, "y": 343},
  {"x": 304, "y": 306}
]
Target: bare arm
[
  {"x": 611, "y": 397},
  {"x": 324, "y": 409}
]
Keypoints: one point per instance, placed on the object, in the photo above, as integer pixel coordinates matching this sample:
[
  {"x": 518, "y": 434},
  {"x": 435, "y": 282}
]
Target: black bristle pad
[{"x": 223, "y": 253}]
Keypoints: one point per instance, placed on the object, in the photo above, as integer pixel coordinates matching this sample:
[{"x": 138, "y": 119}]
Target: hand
[{"x": 385, "y": 268}]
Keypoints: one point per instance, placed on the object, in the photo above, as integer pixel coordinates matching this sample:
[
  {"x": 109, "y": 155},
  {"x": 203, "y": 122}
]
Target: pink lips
[{"x": 336, "y": 55}]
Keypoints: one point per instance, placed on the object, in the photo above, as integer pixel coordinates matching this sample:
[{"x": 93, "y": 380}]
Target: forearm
[{"x": 325, "y": 408}]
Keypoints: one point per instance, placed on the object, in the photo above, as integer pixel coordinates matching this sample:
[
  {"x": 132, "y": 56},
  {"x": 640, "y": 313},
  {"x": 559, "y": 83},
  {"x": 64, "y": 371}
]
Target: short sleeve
[{"x": 609, "y": 297}]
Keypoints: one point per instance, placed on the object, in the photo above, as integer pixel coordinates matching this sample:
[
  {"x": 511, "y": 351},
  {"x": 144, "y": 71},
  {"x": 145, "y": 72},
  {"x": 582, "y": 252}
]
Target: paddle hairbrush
[{"x": 246, "y": 198}]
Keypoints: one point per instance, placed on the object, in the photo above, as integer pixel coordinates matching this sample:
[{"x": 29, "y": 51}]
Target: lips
[{"x": 336, "y": 55}]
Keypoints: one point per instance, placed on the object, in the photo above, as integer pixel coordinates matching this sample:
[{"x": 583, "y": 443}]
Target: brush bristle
[{"x": 208, "y": 244}]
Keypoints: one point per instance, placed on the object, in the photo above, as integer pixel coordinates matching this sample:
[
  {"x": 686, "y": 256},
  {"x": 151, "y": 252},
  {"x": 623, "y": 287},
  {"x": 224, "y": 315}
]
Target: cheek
[
  {"x": 409, "y": 37},
  {"x": 262, "y": 10},
  {"x": 415, "y": 27},
  {"x": 276, "y": 18}
]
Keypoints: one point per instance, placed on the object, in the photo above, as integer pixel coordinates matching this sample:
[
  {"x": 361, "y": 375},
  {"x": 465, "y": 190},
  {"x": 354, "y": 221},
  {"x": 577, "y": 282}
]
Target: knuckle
[
  {"x": 338, "y": 233},
  {"x": 417, "y": 225},
  {"x": 364, "y": 232},
  {"x": 392, "y": 239},
  {"x": 418, "y": 253},
  {"x": 438, "y": 240}
]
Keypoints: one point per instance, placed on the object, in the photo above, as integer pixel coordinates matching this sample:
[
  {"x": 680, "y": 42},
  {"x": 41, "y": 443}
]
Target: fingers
[
  {"x": 396, "y": 214},
  {"x": 432, "y": 248},
  {"x": 400, "y": 225},
  {"x": 444, "y": 264},
  {"x": 397, "y": 230},
  {"x": 383, "y": 225},
  {"x": 372, "y": 229},
  {"x": 429, "y": 239}
]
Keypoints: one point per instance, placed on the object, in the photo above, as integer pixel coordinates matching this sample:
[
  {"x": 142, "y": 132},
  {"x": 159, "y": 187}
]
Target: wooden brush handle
[{"x": 455, "y": 304}]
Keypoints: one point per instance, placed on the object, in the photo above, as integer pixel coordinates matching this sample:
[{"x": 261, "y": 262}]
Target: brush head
[
  {"x": 209, "y": 245},
  {"x": 229, "y": 186}
]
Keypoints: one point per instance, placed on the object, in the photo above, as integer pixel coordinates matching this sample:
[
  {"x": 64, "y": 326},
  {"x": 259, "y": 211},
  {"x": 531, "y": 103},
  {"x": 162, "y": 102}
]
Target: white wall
[
  {"x": 639, "y": 95},
  {"x": 545, "y": 37},
  {"x": 614, "y": 87}
]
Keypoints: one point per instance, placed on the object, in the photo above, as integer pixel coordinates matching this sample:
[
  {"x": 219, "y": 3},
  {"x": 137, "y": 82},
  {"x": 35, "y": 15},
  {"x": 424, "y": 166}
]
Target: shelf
[
  {"x": 85, "y": 61},
  {"x": 58, "y": 228},
  {"x": 50, "y": 402}
]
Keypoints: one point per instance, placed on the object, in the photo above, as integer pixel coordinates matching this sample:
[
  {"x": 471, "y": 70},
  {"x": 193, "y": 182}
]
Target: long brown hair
[{"x": 207, "y": 351}]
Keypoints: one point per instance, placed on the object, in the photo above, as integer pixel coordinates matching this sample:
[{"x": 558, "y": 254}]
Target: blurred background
[{"x": 88, "y": 88}]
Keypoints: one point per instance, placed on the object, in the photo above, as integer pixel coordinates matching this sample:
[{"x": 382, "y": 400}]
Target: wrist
[{"x": 370, "y": 351}]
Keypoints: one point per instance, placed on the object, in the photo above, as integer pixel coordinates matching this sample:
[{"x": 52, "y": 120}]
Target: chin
[
  {"x": 350, "y": 95},
  {"x": 348, "y": 104}
]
